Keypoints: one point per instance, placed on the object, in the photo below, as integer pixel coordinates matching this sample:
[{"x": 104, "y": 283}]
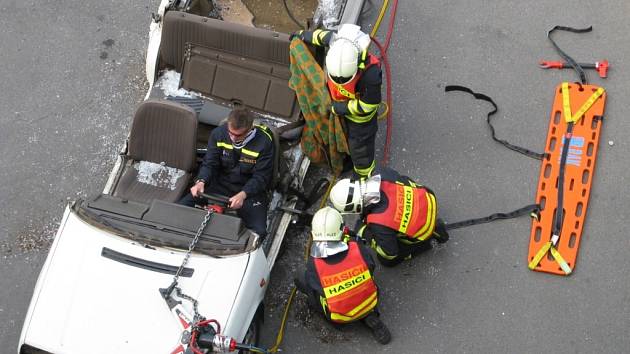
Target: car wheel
[{"x": 253, "y": 332}]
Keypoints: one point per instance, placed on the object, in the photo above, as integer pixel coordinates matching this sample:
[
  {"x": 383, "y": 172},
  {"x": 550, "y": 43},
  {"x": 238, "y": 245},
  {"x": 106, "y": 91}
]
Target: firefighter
[
  {"x": 239, "y": 165},
  {"x": 354, "y": 81},
  {"x": 398, "y": 216},
  {"x": 339, "y": 275}
]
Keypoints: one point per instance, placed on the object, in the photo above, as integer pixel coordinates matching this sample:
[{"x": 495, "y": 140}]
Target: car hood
[{"x": 86, "y": 302}]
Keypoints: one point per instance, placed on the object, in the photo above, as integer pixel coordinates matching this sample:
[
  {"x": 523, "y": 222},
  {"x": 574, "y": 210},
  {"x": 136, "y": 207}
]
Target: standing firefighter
[
  {"x": 339, "y": 276},
  {"x": 399, "y": 216},
  {"x": 354, "y": 82}
]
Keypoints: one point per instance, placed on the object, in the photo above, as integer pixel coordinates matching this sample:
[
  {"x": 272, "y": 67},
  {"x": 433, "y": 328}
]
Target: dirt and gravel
[{"x": 273, "y": 16}]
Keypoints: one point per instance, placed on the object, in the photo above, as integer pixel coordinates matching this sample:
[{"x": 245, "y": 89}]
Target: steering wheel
[{"x": 216, "y": 199}]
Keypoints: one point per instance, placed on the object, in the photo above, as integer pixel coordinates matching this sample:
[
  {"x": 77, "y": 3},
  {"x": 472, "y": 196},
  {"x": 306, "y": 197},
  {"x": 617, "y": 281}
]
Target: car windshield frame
[{"x": 169, "y": 225}]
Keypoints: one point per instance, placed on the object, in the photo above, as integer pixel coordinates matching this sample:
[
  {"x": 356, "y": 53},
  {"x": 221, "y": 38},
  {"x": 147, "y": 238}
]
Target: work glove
[
  {"x": 297, "y": 34},
  {"x": 339, "y": 108}
]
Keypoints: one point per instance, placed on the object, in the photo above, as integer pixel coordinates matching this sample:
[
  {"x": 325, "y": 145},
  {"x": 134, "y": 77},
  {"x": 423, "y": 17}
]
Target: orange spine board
[{"x": 578, "y": 175}]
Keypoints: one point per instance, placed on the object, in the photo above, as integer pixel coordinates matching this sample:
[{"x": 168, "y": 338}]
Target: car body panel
[{"x": 82, "y": 297}]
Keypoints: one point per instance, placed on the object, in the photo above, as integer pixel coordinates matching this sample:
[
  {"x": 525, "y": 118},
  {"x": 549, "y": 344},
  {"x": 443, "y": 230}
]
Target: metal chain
[
  {"x": 196, "y": 316},
  {"x": 191, "y": 247}
]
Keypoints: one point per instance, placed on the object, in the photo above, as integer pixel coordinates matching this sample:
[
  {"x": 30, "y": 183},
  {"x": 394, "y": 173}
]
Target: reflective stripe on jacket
[
  {"x": 353, "y": 107},
  {"x": 349, "y": 290},
  {"x": 248, "y": 168},
  {"x": 407, "y": 208}
]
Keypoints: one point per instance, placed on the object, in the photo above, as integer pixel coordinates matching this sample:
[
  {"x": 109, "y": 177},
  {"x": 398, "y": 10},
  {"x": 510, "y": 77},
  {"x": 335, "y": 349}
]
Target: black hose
[{"x": 286, "y": 8}]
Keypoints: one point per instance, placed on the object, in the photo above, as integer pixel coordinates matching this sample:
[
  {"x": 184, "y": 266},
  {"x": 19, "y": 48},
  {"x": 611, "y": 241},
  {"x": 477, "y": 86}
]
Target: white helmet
[
  {"x": 327, "y": 229},
  {"x": 327, "y": 225},
  {"x": 342, "y": 60},
  {"x": 346, "y": 196}
]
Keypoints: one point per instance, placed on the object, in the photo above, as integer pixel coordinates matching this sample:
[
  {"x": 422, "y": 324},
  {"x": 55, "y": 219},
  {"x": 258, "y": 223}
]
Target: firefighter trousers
[{"x": 361, "y": 143}]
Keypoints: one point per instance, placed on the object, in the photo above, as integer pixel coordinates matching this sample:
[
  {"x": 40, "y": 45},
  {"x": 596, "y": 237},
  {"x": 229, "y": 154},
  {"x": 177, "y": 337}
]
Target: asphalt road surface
[
  {"x": 74, "y": 72},
  {"x": 476, "y": 295}
]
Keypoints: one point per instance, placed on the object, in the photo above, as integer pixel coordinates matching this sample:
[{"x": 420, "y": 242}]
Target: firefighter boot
[
  {"x": 378, "y": 328},
  {"x": 440, "y": 233}
]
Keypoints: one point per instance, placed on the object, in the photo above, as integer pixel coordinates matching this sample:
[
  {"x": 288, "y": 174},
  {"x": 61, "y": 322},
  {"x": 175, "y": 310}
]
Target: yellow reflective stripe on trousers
[
  {"x": 365, "y": 171},
  {"x": 379, "y": 251},
  {"x": 367, "y": 107},
  {"x": 224, "y": 145},
  {"x": 358, "y": 311},
  {"x": 250, "y": 152},
  {"x": 566, "y": 104},
  {"x": 407, "y": 241},
  {"x": 424, "y": 233},
  {"x": 353, "y": 107},
  {"x": 407, "y": 212}
]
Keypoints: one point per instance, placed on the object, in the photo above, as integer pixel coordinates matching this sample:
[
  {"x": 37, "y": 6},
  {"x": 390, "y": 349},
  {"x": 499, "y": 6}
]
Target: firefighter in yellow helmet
[
  {"x": 354, "y": 79},
  {"x": 399, "y": 216},
  {"x": 339, "y": 275}
]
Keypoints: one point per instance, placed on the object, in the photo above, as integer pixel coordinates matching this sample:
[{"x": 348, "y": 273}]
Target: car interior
[{"x": 223, "y": 64}]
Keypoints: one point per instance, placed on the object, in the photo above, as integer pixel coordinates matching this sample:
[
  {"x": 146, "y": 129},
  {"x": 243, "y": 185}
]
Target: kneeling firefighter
[
  {"x": 399, "y": 216},
  {"x": 339, "y": 275},
  {"x": 354, "y": 79}
]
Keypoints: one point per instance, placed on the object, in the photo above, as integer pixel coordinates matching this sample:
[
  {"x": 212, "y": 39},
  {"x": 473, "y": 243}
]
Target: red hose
[
  {"x": 388, "y": 78},
  {"x": 390, "y": 28}
]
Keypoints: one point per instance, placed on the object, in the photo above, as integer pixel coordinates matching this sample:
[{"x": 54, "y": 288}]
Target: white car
[
  {"x": 103, "y": 286},
  {"x": 98, "y": 291}
]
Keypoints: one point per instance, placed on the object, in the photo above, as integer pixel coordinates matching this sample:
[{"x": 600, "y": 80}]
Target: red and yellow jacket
[
  {"x": 405, "y": 207},
  {"x": 343, "y": 284}
]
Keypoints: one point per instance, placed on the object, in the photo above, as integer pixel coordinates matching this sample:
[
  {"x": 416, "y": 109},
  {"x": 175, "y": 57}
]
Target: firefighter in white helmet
[
  {"x": 339, "y": 275},
  {"x": 399, "y": 216},
  {"x": 354, "y": 82}
]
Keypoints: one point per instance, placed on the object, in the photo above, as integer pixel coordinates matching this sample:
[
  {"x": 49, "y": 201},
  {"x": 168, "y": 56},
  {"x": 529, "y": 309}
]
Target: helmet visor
[
  {"x": 341, "y": 79},
  {"x": 371, "y": 190},
  {"x": 327, "y": 248}
]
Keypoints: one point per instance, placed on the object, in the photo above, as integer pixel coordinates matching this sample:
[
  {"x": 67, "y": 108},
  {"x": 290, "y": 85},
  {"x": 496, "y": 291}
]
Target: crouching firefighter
[
  {"x": 399, "y": 216},
  {"x": 354, "y": 81},
  {"x": 339, "y": 276}
]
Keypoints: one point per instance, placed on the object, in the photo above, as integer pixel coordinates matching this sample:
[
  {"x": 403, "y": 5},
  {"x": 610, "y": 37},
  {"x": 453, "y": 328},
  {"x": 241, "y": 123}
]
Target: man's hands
[
  {"x": 197, "y": 189},
  {"x": 236, "y": 201}
]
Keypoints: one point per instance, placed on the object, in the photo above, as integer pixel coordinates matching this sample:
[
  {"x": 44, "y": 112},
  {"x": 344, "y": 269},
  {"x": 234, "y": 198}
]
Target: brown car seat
[{"x": 161, "y": 152}]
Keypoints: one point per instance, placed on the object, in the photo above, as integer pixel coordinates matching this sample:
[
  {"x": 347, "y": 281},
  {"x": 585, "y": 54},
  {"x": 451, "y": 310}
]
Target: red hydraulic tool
[{"x": 600, "y": 66}]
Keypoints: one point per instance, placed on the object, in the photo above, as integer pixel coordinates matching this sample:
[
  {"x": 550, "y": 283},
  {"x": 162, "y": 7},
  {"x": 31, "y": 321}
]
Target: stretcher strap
[
  {"x": 531, "y": 209},
  {"x": 556, "y": 255},
  {"x": 479, "y": 96},
  {"x": 578, "y": 69},
  {"x": 566, "y": 104}
]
